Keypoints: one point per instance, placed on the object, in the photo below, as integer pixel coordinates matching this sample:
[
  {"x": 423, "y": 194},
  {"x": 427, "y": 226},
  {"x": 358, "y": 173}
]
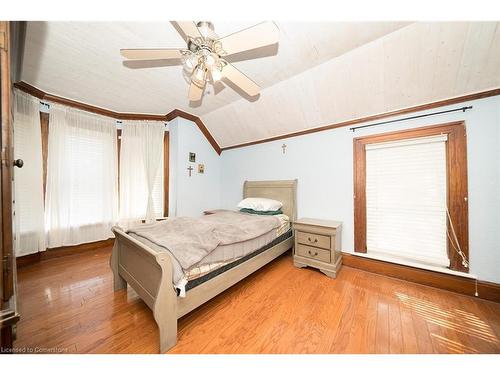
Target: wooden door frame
[
  {"x": 8, "y": 315},
  {"x": 6, "y": 250},
  {"x": 457, "y": 190}
]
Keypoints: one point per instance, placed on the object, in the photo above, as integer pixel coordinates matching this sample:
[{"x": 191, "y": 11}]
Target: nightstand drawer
[
  {"x": 313, "y": 253},
  {"x": 316, "y": 240}
]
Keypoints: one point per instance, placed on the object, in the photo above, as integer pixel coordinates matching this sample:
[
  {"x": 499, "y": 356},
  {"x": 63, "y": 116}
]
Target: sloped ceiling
[{"x": 322, "y": 72}]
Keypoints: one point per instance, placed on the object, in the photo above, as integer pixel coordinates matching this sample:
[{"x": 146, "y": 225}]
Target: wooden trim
[
  {"x": 166, "y": 172},
  {"x": 7, "y": 156},
  {"x": 44, "y": 128},
  {"x": 42, "y": 95},
  {"x": 23, "y": 86},
  {"x": 62, "y": 251},
  {"x": 27, "y": 260},
  {"x": 118, "y": 150},
  {"x": 188, "y": 116},
  {"x": 456, "y": 156},
  {"x": 452, "y": 283},
  {"x": 359, "y": 172},
  {"x": 423, "y": 107}
]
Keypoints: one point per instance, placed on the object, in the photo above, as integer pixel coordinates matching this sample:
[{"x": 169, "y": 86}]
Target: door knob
[{"x": 18, "y": 163}]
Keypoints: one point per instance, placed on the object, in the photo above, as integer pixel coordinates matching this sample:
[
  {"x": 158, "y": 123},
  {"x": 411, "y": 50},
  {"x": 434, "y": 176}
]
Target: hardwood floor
[{"x": 67, "y": 305}]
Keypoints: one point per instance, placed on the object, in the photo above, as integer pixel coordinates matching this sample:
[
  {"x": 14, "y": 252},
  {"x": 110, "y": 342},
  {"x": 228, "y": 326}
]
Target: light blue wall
[
  {"x": 323, "y": 164},
  {"x": 190, "y": 196}
]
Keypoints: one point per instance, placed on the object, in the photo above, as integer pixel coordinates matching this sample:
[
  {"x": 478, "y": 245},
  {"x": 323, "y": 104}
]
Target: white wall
[
  {"x": 190, "y": 196},
  {"x": 323, "y": 164}
]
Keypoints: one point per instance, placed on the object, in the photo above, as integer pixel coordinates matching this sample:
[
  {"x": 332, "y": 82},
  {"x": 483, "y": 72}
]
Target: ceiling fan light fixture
[
  {"x": 199, "y": 75},
  {"x": 204, "y": 59}
]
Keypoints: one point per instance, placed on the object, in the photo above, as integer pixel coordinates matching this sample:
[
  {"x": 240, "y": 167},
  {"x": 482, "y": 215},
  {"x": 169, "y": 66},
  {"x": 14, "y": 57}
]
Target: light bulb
[
  {"x": 216, "y": 74},
  {"x": 211, "y": 59},
  {"x": 190, "y": 62},
  {"x": 199, "y": 75},
  {"x": 204, "y": 30}
]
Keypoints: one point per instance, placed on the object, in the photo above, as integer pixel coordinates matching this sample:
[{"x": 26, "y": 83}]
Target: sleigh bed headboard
[{"x": 284, "y": 191}]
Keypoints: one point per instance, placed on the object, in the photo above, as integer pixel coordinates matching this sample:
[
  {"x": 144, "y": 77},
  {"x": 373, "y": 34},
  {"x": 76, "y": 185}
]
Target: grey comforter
[{"x": 190, "y": 239}]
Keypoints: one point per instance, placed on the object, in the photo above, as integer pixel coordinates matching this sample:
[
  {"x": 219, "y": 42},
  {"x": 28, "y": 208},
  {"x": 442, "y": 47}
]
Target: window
[
  {"x": 85, "y": 153},
  {"x": 81, "y": 203},
  {"x": 141, "y": 171},
  {"x": 405, "y": 184}
]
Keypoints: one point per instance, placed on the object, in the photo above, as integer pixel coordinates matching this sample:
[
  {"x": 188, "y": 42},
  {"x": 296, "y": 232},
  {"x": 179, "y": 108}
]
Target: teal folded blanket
[{"x": 250, "y": 211}]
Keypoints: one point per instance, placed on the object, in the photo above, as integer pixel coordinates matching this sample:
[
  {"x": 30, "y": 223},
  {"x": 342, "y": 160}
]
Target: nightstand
[{"x": 317, "y": 244}]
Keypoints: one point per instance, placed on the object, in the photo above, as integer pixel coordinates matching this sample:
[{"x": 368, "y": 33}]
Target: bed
[{"x": 150, "y": 273}]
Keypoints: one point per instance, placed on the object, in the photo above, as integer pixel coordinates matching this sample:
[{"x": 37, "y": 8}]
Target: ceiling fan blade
[
  {"x": 241, "y": 80},
  {"x": 195, "y": 92},
  {"x": 187, "y": 29},
  {"x": 260, "y": 35},
  {"x": 152, "y": 54}
]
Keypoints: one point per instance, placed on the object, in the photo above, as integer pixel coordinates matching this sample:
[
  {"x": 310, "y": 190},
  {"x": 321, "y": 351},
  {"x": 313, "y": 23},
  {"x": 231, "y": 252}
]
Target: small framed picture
[
  {"x": 201, "y": 168},
  {"x": 192, "y": 157}
]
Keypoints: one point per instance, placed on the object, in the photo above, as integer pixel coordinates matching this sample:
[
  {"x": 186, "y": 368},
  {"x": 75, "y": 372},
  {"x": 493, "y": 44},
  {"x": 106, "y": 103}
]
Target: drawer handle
[
  {"x": 310, "y": 239},
  {"x": 310, "y": 253}
]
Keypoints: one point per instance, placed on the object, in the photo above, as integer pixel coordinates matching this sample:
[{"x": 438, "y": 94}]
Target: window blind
[{"x": 406, "y": 199}]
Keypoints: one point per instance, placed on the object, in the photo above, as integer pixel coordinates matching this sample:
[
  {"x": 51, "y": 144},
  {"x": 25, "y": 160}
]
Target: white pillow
[{"x": 260, "y": 204}]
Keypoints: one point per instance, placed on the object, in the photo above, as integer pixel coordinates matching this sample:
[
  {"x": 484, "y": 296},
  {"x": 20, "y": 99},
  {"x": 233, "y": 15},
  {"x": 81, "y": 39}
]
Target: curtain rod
[{"x": 463, "y": 109}]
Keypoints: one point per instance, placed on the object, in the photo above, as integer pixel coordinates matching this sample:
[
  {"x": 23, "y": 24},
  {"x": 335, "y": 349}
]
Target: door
[{"x": 8, "y": 315}]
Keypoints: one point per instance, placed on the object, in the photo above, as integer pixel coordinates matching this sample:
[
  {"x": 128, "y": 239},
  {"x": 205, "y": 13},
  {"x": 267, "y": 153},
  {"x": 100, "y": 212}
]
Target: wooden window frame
[
  {"x": 456, "y": 182},
  {"x": 166, "y": 144}
]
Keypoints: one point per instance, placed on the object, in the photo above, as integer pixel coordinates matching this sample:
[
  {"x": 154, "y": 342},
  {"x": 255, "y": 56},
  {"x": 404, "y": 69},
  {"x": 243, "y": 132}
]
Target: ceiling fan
[{"x": 204, "y": 59}]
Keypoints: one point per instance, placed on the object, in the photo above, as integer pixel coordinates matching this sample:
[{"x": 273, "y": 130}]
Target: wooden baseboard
[
  {"x": 453, "y": 283},
  {"x": 57, "y": 252}
]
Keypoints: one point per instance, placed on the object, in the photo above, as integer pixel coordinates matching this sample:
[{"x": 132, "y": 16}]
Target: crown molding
[
  {"x": 188, "y": 116},
  {"x": 42, "y": 95},
  {"x": 418, "y": 108}
]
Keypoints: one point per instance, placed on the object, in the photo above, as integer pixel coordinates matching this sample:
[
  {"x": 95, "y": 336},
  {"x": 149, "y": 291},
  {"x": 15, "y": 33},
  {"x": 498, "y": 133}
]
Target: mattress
[
  {"x": 221, "y": 256},
  {"x": 226, "y": 267}
]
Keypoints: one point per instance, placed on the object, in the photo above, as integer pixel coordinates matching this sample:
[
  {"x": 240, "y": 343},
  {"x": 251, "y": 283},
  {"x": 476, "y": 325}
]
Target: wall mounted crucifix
[
  {"x": 190, "y": 169},
  {"x": 284, "y": 148}
]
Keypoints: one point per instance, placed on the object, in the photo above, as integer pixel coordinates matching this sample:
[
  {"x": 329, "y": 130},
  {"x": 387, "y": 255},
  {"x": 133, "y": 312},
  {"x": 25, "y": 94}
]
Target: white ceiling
[
  {"x": 322, "y": 72},
  {"x": 421, "y": 63},
  {"x": 81, "y": 60}
]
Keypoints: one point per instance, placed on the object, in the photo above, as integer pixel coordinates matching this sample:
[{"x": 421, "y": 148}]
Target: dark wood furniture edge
[
  {"x": 453, "y": 283},
  {"x": 42, "y": 95},
  {"x": 62, "y": 251},
  {"x": 422, "y": 107}
]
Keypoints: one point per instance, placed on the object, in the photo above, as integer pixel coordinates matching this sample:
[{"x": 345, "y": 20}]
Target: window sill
[{"x": 414, "y": 264}]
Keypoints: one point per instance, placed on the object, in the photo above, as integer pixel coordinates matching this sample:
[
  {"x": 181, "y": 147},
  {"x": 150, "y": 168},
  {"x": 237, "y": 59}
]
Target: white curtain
[
  {"x": 28, "y": 180},
  {"x": 82, "y": 182},
  {"x": 141, "y": 171}
]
